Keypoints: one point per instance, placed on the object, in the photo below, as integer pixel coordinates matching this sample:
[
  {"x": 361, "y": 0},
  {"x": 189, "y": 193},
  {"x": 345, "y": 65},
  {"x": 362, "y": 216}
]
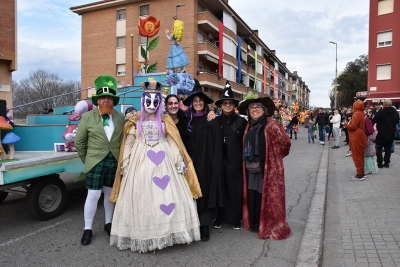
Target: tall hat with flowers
[{"x": 105, "y": 85}]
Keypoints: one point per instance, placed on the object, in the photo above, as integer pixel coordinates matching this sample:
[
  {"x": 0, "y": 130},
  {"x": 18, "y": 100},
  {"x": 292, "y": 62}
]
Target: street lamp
[
  {"x": 335, "y": 74},
  {"x": 178, "y": 5},
  {"x": 133, "y": 76}
]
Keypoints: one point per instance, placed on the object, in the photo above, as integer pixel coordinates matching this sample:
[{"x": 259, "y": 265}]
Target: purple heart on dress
[
  {"x": 156, "y": 158},
  {"x": 167, "y": 209},
  {"x": 161, "y": 182}
]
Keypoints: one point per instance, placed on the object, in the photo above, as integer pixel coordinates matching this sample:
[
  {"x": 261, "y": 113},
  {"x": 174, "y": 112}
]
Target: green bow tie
[{"x": 105, "y": 119}]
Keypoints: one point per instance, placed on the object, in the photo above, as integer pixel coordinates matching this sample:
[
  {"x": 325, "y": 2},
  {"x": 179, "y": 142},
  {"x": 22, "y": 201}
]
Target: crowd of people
[{"x": 168, "y": 175}]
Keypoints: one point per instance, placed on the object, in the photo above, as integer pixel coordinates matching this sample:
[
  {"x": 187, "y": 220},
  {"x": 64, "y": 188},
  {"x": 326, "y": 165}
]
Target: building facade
[
  {"x": 8, "y": 48},
  {"x": 218, "y": 43},
  {"x": 384, "y": 52}
]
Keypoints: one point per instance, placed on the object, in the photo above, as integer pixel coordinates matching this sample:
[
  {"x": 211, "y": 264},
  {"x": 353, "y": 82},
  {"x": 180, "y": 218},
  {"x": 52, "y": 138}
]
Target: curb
[{"x": 310, "y": 250}]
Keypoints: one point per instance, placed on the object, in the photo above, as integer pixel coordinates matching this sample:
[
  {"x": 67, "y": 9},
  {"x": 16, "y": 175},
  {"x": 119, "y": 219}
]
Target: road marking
[{"x": 33, "y": 233}]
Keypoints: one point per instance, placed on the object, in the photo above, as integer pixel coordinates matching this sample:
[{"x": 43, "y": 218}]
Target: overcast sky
[{"x": 49, "y": 36}]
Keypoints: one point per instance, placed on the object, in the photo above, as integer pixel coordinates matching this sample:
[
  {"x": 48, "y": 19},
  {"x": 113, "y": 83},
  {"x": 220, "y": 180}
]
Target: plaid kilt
[{"x": 102, "y": 174}]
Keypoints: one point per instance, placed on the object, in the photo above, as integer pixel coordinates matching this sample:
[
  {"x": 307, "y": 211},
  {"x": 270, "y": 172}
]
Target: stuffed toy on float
[
  {"x": 70, "y": 132},
  {"x": 9, "y": 139}
]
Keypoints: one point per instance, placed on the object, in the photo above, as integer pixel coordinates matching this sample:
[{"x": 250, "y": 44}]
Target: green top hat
[{"x": 106, "y": 85}]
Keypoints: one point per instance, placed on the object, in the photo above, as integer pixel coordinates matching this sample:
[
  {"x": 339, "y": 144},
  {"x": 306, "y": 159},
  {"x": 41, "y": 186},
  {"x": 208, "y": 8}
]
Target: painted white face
[{"x": 151, "y": 102}]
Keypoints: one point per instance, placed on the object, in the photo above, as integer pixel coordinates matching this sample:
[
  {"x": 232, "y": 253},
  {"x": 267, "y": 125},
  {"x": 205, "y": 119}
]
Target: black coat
[
  {"x": 322, "y": 119},
  {"x": 204, "y": 145},
  {"x": 232, "y": 128},
  {"x": 386, "y": 121}
]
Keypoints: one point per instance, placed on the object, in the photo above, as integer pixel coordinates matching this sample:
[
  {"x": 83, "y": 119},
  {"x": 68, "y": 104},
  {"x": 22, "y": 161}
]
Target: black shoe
[
  {"x": 335, "y": 147},
  {"x": 380, "y": 166},
  {"x": 217, "y": 224},
  {"x": 237, "y": 226},
  {"x": 386, "y": 165},
  {"x": 107, "y": 228},
  {"x": 254, "y": 228},
  {"x": 204, "y": 233},
  {"x": 87, "y": 237}
]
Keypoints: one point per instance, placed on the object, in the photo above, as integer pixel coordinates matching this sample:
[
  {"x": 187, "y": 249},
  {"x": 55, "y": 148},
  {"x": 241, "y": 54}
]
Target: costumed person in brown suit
[
  {"x": 204, "y": 145},
  {"x": 358, "y": 139},
  {"x": 265, "y": 144}
]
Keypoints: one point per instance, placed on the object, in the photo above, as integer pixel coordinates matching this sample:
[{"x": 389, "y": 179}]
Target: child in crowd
[
  {"x": 315, "y": 128},
  {"x": 370, "y": 164},
  {"x": 310, "y": 127}
]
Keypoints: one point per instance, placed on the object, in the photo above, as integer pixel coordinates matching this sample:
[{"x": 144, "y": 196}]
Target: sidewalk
[{"x": 362, "y": 226}]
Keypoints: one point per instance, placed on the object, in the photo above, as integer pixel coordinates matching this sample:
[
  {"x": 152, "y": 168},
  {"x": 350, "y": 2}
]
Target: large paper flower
[{"x": 149, "y": 26}]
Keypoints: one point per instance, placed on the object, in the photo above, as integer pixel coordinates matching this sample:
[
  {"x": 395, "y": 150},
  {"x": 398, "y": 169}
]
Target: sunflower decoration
[{"x": 149, "y": 27}]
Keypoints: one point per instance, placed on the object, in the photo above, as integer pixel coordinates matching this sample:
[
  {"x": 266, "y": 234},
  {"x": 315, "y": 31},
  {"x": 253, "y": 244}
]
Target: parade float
[{"x": 44, "y": 145}]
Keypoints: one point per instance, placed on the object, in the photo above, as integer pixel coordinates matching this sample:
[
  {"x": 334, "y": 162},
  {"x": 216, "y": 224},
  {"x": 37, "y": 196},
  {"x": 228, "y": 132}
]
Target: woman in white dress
[{"x": 155, "y": 183}]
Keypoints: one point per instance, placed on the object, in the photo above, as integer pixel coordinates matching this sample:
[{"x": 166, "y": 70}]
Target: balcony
[
  {"x": 209, "y": 50},
  {"x": 214, "y": 81},
  {"x": 208, "y": 22}
]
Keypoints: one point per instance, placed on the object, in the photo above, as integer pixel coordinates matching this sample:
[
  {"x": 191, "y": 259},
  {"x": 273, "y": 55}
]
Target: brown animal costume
[
  {"x": 273, "y": 222},
  {"x": 357, "y": 136}
]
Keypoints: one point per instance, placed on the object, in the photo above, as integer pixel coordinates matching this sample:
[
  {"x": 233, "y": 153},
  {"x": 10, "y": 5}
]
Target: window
[
  {"x": 120, "y": 69},
  {"x": 144, "y": 10},
  {"x": 200, "y": 37},
  {"x": 142, "y": 40},
  {"x": 200, "y": 8},
  {"x": 121, "y": 14},
  {"x": 384, "y": 39},
  {"x": 385, "y": 7},
  {"x": 383, "y": 72},
  {"x": 121, "y": 42}
]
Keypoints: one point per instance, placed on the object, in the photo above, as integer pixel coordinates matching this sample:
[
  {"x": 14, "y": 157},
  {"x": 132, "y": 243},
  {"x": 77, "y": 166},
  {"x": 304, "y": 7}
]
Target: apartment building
[
  {"x": 8, "y": 49},
  {"x": 384, "y": 52},
  {"x": 218, "y": 43}
]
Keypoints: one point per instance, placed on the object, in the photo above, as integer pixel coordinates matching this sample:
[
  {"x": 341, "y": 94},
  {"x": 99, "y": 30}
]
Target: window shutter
[{"x": 383, "y": 72}]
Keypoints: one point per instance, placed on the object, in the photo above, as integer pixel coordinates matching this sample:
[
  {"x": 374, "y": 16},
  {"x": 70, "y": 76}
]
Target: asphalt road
[{"x": 25, "y": 241}]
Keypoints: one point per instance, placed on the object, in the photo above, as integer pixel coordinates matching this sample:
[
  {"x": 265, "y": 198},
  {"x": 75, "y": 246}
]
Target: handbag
[
  {"x": 328, "y": 129},
  {"x": 253, "y": 167}
]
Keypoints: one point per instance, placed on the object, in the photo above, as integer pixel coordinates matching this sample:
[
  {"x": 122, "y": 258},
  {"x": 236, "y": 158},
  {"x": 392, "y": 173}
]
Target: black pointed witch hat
[
  {"x": 228, "y": 95},
  {"x": 197, "y": 91}
]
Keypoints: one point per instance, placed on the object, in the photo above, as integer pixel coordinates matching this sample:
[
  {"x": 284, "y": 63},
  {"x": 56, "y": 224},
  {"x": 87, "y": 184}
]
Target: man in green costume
[{"x": 97, "y": 142}]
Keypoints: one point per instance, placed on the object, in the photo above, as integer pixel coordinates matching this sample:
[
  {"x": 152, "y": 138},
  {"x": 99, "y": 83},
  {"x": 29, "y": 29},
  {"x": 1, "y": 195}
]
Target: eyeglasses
[
  {"x": 198, "y": 101},
  {"x": 173, "y": 103},
  {"x": 255, "y": 107},
  {"x": 227, "y": 103}
]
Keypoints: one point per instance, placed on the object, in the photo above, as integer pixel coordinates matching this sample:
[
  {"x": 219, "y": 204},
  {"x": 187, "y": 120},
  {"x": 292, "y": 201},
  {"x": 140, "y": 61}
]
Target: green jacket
[{"x": 91, "y": 140}]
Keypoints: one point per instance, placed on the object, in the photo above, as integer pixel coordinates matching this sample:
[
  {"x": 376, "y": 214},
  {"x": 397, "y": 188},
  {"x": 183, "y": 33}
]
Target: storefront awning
[{"x": 380, "y": 97}]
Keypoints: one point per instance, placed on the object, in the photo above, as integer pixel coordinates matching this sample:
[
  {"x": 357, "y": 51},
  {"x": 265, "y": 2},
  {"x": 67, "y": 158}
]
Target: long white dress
[{"x": 154, "y": 208}]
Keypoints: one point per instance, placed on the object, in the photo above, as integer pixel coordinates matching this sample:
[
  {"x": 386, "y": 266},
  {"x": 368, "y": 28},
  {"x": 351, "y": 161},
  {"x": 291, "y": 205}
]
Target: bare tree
[{"x": 43, "y": 90}]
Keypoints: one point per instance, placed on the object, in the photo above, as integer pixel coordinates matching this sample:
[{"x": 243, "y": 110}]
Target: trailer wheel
[
  {"x": 46, "y": 197},
  {"x": 3, "y": 196}
]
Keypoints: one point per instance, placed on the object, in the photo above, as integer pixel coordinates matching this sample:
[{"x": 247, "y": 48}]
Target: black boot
[
  {"x": 87, "y": 237},
  {"x": 204, "y": 233},
  {"x": 107, "y": 228}
]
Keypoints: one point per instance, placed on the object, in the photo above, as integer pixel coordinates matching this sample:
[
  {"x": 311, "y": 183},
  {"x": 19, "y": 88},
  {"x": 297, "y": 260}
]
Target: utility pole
[{"x": 335, "y": 75}]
